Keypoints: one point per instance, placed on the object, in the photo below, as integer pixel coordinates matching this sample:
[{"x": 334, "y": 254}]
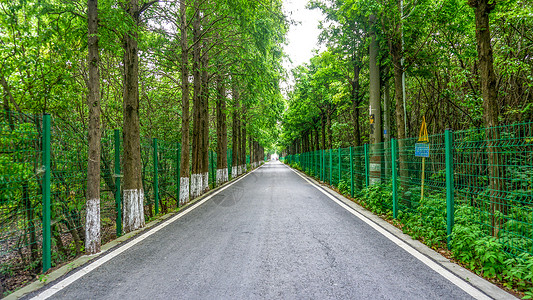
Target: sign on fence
[{"x": 421, "y": 150}]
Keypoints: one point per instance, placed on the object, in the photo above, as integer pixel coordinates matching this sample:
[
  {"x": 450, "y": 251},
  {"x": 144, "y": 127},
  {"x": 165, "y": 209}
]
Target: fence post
[
  {"x": 367, "y": 174},
  {"x": 448, "y": 139},
  {"x": 351, "y": 172},
  {"x": 178, "y": 178},
  {"x": 47, "y": 251},
  {"x": 118, "y": 207},
  {"x": 340, "y": 168},
  {"x": 394, "y": 146},
  {"x": 156, "y": 178}
]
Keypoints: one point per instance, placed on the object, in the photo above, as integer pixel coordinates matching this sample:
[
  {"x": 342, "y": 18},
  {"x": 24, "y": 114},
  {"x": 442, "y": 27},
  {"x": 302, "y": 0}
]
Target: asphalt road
[{"x": 271, "y": 235}]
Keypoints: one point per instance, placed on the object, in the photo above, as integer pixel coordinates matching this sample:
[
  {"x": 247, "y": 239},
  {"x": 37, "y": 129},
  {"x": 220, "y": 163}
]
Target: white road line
[
  {"x": 79, "y": 274},
  {"x": 465, "y": 286}
]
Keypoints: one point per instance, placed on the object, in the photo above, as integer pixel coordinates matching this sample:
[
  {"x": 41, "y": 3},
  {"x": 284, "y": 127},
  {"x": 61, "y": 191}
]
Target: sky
[{"x": 302, "y": 36}]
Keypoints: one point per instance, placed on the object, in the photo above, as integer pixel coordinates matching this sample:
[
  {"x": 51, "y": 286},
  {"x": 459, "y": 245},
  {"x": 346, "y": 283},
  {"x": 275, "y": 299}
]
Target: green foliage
[
  {"x": 378, "y": 198},
  {"x": 485, "y": 254},
  {"x": 344, "y": 187},
  {"x": 427, "y": 221}
]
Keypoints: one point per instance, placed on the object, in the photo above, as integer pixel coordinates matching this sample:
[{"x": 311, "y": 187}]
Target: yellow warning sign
[{"x": 423, "y": 134}]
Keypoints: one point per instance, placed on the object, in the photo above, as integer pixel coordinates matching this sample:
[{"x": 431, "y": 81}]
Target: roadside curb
[
  {"x": 486, "y": 287},
  {"x": 72, "y": 267}
]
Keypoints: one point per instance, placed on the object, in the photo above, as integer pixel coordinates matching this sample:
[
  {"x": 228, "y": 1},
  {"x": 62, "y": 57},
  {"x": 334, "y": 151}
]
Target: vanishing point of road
[{"x": 270, "y": 235}]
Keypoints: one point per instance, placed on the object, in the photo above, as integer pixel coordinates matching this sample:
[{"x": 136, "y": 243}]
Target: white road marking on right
[{"x": 465, "y": 286}]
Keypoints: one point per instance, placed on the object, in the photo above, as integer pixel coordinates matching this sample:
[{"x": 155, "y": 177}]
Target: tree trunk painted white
[
  {"x": 222, "y": 176},
  {"x": 196, "y": 185},
  {"x": 184, "y": 190},
  {"x": 92, "y": 226},
  {"x": 205, "y": 183},
  {"x": 133, "y": 216},
  {"x": 92, "y": 220},
  {"x": 234, "y": 171}
]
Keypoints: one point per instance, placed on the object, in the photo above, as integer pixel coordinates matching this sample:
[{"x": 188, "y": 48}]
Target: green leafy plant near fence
[{"x": 454, "y": 205}]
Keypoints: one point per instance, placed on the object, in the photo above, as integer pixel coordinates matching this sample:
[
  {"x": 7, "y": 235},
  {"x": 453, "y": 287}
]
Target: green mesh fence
[
  {"x": 21, "y": 188},
  {"x": 147, "y": 161},
  {"x": 422, "y": 185},
  {"x": 108, "y": 188},
  {"x": 492, "y": 172},
  {"x": 359, "y": 169},
  {"x": 168, "y": 175},
  {"x": 20, "y": 191},
  {"x": 500, "y": 189},
  {"x": 68, "y": 185}
]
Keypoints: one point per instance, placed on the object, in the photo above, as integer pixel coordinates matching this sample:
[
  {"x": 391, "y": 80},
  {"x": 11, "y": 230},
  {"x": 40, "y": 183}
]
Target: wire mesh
[
  {"x": 147, "y": 175},
  {"x": 492, "y": 170},
  {"x": 20, "y": 191},
  {"x": 68, "y": 187},
  {"x": 494, "y": 175},
  {"x": 422, "y": 186},
  {"x": 108, "y": 213},
  {"x": 168, "y": 177}
]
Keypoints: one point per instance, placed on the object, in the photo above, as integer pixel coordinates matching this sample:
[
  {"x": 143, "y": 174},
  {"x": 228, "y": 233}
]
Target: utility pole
[
  {"x": 375, "y": 107},
  {"x": 403, "y": 71}
]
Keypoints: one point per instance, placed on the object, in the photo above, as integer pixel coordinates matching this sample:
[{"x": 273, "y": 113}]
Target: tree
[
  {"x": 92, "y": 227},
  {"x": 185, "y": 116},
  {"x": 222, "y": 131},
  {"x": 133, "y": 194},
  {"x": 482, "y": 10}
]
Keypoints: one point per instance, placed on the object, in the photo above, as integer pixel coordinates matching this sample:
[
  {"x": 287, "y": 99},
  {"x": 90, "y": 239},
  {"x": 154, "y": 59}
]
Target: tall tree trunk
[
  {"x": 185, "y": 118},
  {"x": 482, "y": 9},
  {"x": 323, "y": 135},
  {"x": 386, "y": 117},
  {"x": 395, "y": 48},
  {"x": 236, "y": 132},
  {"x": 310, "y": 140},
  {"x": 222, "y": 133},
  {"x": 356, "y": 101},
  {"x": 196, "y": 176},
  {"x": 317, "y": 139},
  {"x": 92, "y": 220},
  {"x": 133, "y": 194},
  {"x": 386, "y": 107},
  {"x": 8, "y": 97},
  {"x": 375, "y": 108},
  {"x": 204, "y": 121},
  {"x": 243, "y": 144},
  {"x": 328, "y": 128},
  {"x": 251, "y": 149}
]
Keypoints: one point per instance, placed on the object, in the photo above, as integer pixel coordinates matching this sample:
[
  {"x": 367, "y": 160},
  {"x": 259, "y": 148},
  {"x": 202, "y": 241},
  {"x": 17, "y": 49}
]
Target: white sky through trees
[{"x": 303, "y": 33}]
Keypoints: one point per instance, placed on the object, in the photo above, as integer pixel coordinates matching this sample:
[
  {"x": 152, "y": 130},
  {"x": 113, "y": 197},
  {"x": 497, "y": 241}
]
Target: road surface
[{"x": 270, "y": 235}]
